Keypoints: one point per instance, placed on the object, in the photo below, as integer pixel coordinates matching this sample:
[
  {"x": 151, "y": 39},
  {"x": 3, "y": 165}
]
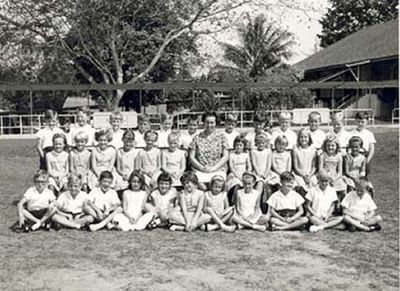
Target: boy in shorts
[{"x": 39, "y": 204}]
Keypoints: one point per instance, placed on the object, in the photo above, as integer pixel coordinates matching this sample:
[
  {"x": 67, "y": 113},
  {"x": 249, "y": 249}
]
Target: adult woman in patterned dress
[{"x": 208, "y": 152}]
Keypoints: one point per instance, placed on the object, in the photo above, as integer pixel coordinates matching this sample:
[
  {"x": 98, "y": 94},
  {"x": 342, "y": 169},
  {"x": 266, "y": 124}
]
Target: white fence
[{"x": 30, "y": 124}]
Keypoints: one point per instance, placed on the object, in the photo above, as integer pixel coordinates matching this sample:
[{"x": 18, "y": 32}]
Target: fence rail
[
  {"x": 395, "y": 116},
  {"x": 30, "y": 124}
]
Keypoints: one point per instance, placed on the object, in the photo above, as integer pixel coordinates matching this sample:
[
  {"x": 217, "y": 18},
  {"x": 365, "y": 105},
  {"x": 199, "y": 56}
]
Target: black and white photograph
[{"x": 199, "y": 145}]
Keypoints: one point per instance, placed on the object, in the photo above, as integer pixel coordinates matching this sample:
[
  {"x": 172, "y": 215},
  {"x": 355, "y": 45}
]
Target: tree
[
  {"x": 346, "y": 17},
  {"x": 101, "y": 41},
  {"x": 263, "y": 46}
]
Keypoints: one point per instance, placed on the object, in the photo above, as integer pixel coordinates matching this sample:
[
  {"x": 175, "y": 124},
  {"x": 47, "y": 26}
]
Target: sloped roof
[
  {"x": 374, "y": 42},
  {"x": 76, "y": 102}
]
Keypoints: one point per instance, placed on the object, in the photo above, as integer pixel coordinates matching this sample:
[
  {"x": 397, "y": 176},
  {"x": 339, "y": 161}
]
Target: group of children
[{"x": 131, "y": 181}]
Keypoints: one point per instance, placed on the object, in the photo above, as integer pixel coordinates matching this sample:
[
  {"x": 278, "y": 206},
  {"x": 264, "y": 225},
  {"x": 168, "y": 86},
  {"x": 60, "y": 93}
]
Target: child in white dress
[
  {"x": 247, "y": 213},
  {"x": 173, "y": 159},
  {"x": 79, "y": 159},
  {"x": 217, "y": 206},
  {"x": 58, "y": 163},
  {"x": 239, "y": 162},
  {"x": 133, "y": 216},
  {"x": 330, "y": 164},
  {"x": 189, "y": 216},
  {"x": 281, "y": 160},
  {"x": 355, "y": 164},
  {"x": 103, "y": 156},
  {"x": 230, "y": 132},
  {"x": 338, "y": 130},
  {"x": 162, "y": 201},
  {"x": 125, "y": 160},
  {"x": 304, "y": 162},
  {"x": 148, "y": 160}
]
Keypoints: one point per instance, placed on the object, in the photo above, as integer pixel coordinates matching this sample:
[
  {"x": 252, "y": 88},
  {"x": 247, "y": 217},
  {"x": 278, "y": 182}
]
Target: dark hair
[
  {"x": 259, "y": 117},
  {"x": 286, "y": 176},
  {"x": 103, "y": 132},
  {"x": 50, "y": 114},
  {"x": 128, "y": 134},
  {"x": 355, "y": 139},
  {"x": 192, "y": 118},
  {"x": 218, "y": 178},
  {"x": 362, "y": 115},
  {"x": 63, "y": 137},
  {"x": 164, "y": 177},
  {"x": 210, "y": 114},
  {"x": 106, "y": 175},
  {"x": 242, "y": 139},
  {"x": 140, "y": 176},
  {"x": 189, "y": 176}
]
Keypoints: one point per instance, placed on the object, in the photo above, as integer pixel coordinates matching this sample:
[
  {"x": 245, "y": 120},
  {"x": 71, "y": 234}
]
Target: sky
[{"x": 300, "y": 18}]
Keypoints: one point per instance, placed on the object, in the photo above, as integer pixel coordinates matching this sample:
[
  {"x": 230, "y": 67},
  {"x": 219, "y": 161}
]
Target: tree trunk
[{"x": 115, "y": 99}]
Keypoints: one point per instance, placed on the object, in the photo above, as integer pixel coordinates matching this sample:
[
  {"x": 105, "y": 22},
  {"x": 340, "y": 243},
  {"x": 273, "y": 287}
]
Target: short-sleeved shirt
[
  {"x": 290, "y": 201},
  {"x": 103, "y": 200},
  {"x": 367, "y": 137},
  {"x": 116, "y": 141},
  {"x": 230, "y": 137},
  {"x": 318, "y": 136},
  {"x": 186, "y": 139},
  {"x": 162, "y": 140},
  {"x": 209, "y": 148},
  {"x": 343, "y": 136},
  {"x": 355, "y": 165},
  {"x": 139, "y": 139},
  {"x": 46, "y": 134},
  {"x": 38, "y": 201},
  {"x": 290, "y": 135},
  {"x": 67, "y": 203},
  {"x": 358, "y": 205},
  {"x": 321, "y": 200}
]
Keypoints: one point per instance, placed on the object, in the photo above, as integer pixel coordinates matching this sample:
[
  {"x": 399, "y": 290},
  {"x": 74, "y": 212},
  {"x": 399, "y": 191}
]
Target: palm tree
[{"x": 263, "y": 46}]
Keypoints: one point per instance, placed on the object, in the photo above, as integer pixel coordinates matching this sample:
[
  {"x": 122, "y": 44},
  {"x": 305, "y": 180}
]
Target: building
[{"x": 371, "y": 54}]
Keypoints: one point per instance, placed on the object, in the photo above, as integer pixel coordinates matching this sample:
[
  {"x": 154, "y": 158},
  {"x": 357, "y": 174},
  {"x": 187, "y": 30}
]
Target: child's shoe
[
  {"x": 375, "y": 227},
  {"x": 315, "y": 228}
]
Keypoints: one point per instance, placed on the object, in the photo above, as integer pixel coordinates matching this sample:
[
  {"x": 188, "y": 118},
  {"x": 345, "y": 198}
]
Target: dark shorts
[
  {"x": 42, "y": 160},
  {"x": 286, "y": 212},
  {"x": 38, "y": 213}
]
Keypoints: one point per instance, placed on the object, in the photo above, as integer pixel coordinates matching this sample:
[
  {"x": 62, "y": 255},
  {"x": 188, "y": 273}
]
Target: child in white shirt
[
  {"x": 39, "y": 204},
  {"x": 317, "y": 135},
  {"x": 116, "y": 131},
  {"x": 338, "y": 130},
  {"x": 284, "y": 130},
  {"x": 230, "y": 132},
  {"x": 102, "y": 203},
  {"x": 82, "y": 125},
  {"x": 167, "y": 121},
  {"x": 187, "y": 137},
  {"x": 259, "y": 124},
  {"x": 286, "y": 206},
  {"x": 173, "y": 159},
  {"x": 320, "y": 204},
  {"x": 143, "y": 126},
  {"x": 359, "y": 209}
]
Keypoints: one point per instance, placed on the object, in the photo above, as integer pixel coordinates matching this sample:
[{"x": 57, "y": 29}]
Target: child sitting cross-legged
[
  {"x": 133, "y": 205},
  {"x": 286, "y": 206},
  {"x": 70, "y": 205},
  {"x": 247, "y": 213},
  {"x": 39, "y": 204},
  {"x": 162, "y": 201},
  {"x": 190, "y": 216},
  {"x": 216, "y": 204},
  {"x": 359, "y": 209},
  {"x": 320, "y": 203},
  {"x": 102, "y": 203}
]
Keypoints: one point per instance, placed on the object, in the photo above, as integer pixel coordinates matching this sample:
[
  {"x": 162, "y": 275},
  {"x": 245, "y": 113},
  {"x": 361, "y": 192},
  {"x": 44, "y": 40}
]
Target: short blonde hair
[
  {"x": 81, "y": 135},
  {"x": 285, "y": 115},
  {"x": 115, "y": 115}
]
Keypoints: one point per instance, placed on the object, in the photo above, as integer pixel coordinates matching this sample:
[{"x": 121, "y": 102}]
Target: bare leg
[
  {"x": 106, "y": 221},
  {"x": 203, "y": 219},
  {"x": 29, "y": 216},
  {"x": 373, "y": 220},
  {"x": 143, "y": 221},
  {"x": 84, "y": 220},
  {"x": 240, "y": 221},
  {"x": 218, "y": 220},
  {"x": 89, "y": 210},
  {"x": 64, "y": 221},
  {"x": 49, "y": 213},
  {"x": 355, "y": 222},
  {"x": 295, "y": 224},
  {"x": 277, "y": 222},
  {"x": 332, "y": 222}
]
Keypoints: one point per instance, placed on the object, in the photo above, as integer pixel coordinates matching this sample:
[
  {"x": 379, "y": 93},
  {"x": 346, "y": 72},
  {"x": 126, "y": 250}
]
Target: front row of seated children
[{"x": 191, "y": 208}]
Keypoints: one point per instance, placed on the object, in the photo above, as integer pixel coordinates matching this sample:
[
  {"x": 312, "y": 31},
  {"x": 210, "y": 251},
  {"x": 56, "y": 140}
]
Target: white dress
[
  {"x": 216, "y": 202},
  {"x": 103, "y": 161},
  {"x": 246, "y": 205},
  {"x": 135, "y": 201},
  {"x": 239, "y": 164},
  {"x": 148, "y": 162},
  {"x": 58, "y": 167},
  {"x": 304, "y": 158},
  {"x": 126, "y": 161}
]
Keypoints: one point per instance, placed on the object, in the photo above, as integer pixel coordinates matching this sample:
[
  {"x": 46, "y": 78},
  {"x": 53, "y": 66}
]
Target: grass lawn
[{"x": 161, "y": 260}]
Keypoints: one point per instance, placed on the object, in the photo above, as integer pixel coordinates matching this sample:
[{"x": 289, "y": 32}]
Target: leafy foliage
[{"x": 346, "y": 17}]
